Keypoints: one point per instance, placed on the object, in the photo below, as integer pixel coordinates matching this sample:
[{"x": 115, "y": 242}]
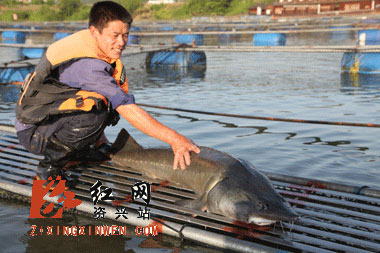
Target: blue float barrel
[
  {"x": 12, "y": 37},
  {"x": 269, "y": 39},
  {"x": 363, "y": 63},
  {"x": 60, "y": 35},
  {"x": 197, "y": 39},
  {"x": 17, "y": 74},
  {"x": 369, "y": 37},
  {"x": 134, "y": 39},
  {"x": 30, "y": 53},
  {"x": 176, "y": 59}
]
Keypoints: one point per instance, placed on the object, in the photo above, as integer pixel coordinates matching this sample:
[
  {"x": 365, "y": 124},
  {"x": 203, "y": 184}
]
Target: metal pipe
[
  {"x": 341, "y": 220},
  {"x": 333, "y": 201},
  {"x": 7, "y": 128},
  {"x": 334, "y": 209},
  {"x": 360, "y": 190},
  {"x": 316, "y": 189},
  {"x": 17, "y": 149},
  {"x": 323, "y": 244},
  {"x": 8, "y": 156},
  {"x": 14, "y": 177},
  {"x": 336, "y": 237},
  {"x": 338, "y": 228}
]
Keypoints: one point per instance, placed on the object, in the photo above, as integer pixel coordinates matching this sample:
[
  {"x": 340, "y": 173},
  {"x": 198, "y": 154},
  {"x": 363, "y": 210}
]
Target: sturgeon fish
[{"x": 223, "y": 184}]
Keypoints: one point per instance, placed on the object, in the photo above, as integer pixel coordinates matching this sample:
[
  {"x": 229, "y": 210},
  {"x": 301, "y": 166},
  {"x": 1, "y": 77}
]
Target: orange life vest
[{"x": 43, "y": 95}]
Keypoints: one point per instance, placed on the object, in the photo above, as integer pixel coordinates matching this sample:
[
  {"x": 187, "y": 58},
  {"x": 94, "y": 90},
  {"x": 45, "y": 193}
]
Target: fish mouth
[
  {"x": 260, "y": 221},
  {"x": 264, "y": 220}
]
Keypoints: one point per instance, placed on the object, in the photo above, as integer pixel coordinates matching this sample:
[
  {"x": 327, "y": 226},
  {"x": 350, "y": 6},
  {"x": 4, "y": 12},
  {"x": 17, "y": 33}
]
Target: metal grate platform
[{"x": 334, "y": 217}]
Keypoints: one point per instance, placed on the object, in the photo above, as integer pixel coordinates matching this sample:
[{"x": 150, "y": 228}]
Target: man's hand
[{"x": 182, "y": 147}]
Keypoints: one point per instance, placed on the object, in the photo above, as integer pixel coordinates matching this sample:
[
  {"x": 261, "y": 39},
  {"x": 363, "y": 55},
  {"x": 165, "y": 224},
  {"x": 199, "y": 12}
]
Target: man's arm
[{"x": 144, "y": 122}]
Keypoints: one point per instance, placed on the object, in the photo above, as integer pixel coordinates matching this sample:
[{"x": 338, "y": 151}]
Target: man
[{"x": 78, "y": 88}]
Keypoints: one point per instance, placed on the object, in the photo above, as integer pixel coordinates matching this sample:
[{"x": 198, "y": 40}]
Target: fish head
[{"x": 250, "y": 199}]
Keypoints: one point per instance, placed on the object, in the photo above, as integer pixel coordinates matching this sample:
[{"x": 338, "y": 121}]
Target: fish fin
[
  {"x": 197, "y": 204},
  {"x": 124, "y": 141}
]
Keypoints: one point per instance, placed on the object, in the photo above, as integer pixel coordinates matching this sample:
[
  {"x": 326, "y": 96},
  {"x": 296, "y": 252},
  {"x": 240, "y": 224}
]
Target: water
[
  {"x": 16, "y": 235},
  {"x": 285, "y": 85}
]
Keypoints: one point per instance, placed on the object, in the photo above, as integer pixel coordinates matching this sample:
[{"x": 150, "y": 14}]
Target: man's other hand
[{"x": 182, "y": 147}]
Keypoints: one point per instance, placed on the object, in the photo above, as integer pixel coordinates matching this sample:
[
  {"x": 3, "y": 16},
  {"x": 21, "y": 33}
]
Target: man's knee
[
  {"x": 81, "y": 130},
  {"x": 32, "y": 140}
]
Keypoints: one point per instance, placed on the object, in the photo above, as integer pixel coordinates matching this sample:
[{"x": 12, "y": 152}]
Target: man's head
[
  {"x": 109, "y": 25},
  {"x": 106, "y": 11}
]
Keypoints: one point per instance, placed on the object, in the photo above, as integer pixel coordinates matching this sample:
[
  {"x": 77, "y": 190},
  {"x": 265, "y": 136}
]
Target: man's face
[{"x": 112, "y": 40}]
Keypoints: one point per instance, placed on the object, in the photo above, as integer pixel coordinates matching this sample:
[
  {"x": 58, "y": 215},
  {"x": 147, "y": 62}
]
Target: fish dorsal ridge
[{"x": 125, "y": 142}]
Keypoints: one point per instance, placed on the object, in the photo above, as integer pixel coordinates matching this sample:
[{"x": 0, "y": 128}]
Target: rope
[{"x": 265, "y": 118}]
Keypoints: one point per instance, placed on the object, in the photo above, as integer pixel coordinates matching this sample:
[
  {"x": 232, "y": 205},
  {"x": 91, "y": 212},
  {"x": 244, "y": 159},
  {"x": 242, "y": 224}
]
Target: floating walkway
[
  {"x": 255, "y": 30},
  {"x": 335, "y": 217},
  {"x": 138, "y": 49}
]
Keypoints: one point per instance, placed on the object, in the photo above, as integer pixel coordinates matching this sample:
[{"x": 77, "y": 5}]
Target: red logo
[{"x": 38, "y": 193}]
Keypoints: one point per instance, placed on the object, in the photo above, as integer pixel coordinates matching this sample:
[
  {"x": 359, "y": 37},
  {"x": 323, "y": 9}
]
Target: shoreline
[{"x": 241, "y": 19}]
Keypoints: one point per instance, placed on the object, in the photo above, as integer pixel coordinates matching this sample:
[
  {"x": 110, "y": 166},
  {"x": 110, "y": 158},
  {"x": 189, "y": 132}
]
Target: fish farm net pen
[
  {"x": 264, "y": 118},
  {"x": 334, "y": 216}
]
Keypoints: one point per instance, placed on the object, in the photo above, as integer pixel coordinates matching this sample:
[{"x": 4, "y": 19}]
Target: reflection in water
[
  {"x": 337, "y": 143},
  {"x": 48, "y": 239},
  {"x": 367, "y": 81},
  {"x": 9, "y": 93},
  {"x": 259, "y": 129},
  {"x": 170, "y": 74},
  {"x": 330, "y": 143},
  {"x": 264, "y": 130},
  {"x": 228, "y": 39},
  {"x": 59, "y": 243},
  {"x": 341, "y": 37}
]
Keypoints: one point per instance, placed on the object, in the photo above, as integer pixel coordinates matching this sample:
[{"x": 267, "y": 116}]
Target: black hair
[{"x": 106, "y": 11}]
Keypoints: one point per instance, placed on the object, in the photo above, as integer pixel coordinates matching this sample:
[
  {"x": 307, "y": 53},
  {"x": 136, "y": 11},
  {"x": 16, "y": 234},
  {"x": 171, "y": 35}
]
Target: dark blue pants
[{"x": 76, "y": 132}]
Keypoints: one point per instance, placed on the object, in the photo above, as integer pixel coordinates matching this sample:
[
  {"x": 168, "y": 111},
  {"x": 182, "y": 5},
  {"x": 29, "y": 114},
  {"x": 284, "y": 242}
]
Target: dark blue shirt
[{"x": 94, "y": 75}]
